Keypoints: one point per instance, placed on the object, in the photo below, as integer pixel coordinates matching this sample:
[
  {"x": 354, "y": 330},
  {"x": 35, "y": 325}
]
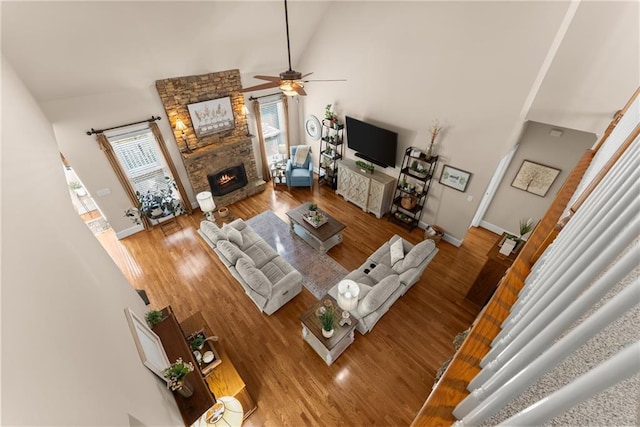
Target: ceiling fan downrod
[{"x": 286, "y": 21}]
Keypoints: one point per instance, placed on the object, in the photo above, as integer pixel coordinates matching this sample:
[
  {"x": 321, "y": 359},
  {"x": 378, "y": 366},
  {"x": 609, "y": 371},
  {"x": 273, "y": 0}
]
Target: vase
[
  {"x": 186, "y": 390},
  {"x": 430, "y": 151},
  {"x": 327, "y": 334}
]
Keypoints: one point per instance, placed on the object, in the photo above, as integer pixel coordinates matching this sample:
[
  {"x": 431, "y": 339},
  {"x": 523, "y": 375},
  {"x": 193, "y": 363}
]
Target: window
[
  {"x": 141, "y": 159},
  {"x": 274, "y": 130}
]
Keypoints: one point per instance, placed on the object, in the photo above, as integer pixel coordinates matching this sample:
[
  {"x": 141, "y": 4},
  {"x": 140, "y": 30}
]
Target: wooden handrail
[{"x": 464, "y": 366}]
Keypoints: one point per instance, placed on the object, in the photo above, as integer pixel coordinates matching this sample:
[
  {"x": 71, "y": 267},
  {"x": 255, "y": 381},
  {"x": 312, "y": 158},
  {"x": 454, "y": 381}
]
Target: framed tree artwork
[{"x": 535, "y": 178}]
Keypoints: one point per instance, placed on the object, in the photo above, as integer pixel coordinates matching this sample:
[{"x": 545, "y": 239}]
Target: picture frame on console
[
  {"x": 455, "y": 178},
  {"x": 212, "y": 116}
]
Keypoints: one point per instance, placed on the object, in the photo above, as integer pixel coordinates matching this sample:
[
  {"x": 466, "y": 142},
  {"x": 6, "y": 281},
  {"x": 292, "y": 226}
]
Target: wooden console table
[
  {"x": 494, "y": 268},
  {"x": 224, "y": 379}
]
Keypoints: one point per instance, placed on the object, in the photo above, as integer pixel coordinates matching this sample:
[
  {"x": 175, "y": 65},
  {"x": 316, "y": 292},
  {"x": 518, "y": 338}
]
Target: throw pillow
[
  {"x": 378, "y": 295},
  {"x": 212, "y": 231},
  {"x": 254, "y": 278},
  {"x": 397, "y": 251},
  {"x": 231, "y": 252},
  {"x": 416, "y": 255},
  {"x": 234, "y": 235}
]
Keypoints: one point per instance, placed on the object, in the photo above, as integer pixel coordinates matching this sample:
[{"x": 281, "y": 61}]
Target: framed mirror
[{"x": 148, "y": 344}]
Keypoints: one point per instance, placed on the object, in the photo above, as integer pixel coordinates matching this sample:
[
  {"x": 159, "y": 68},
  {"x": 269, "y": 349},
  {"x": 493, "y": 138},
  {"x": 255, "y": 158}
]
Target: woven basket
[{"x": 408, "y": 202}]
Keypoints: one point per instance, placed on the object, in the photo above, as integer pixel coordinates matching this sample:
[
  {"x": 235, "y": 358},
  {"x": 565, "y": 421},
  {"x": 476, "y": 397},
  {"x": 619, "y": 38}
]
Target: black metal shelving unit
[
  {"x": 331, "y": 144},
  {"x": 414, "y": 183}
]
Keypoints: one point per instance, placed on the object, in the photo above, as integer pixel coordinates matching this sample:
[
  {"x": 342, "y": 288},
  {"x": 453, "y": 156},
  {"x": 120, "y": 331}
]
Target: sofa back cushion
[
  {"x": 231, "y": 252},
  {"x": 415, "y": 256},
  {"x": 378, "y": 295},
  {"x": 212, "y": 232},
  {"x": 254, "y": 278},
  {"x": 233, "y": 235}
]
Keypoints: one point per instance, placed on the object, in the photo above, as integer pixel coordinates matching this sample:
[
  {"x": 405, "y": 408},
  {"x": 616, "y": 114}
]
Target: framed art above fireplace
[{"x": 213, "y": 116}]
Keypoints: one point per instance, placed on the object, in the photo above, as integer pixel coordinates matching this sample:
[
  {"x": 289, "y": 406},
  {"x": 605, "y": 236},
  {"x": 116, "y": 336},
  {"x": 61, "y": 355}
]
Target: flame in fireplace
[{"x": 225, "y": 179}]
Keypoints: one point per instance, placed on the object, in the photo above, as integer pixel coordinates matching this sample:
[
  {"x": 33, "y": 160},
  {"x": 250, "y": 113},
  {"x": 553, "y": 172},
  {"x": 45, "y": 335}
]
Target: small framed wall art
[
  {"x": 455, "y": 178},
  {"x": 213, "y": 116},
  {"x": 535, "y": 178}
]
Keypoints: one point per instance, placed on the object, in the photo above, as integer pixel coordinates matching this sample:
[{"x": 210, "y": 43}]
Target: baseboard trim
[
  {"x": 129, "y": 231},
  {"x": 447, "y": 237},
  {"x": 494, "y": 228}
]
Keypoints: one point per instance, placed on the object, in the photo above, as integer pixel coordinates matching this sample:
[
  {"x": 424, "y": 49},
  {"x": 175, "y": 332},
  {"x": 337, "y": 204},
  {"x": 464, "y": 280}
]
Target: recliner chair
[{"x": 299, "y": 176}]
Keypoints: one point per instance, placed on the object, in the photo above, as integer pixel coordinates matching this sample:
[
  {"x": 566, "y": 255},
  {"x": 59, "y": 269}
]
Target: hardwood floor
[{"x": 382, "y": 379}]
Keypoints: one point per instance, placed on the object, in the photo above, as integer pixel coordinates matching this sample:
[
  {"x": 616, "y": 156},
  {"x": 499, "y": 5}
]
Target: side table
[
  {"x": 328, "y": 348},
  {"x": 278, "y": 175}
]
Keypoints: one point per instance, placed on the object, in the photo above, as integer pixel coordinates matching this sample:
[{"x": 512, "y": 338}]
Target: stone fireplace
[
  {"x": 227, "y": 180},
  {"x": 212, "y": 154}
]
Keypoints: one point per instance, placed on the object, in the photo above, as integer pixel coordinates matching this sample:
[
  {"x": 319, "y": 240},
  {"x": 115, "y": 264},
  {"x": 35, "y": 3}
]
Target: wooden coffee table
[
  {"x": 328, "y": 348},
  {"x": 321, "y": 238}
]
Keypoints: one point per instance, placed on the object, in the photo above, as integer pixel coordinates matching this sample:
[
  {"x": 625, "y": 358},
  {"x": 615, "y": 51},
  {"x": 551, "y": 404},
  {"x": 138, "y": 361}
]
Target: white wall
[
  {"x": 511, "y": 204},
  {"x": 408, "y": 63},
  {"x": 68, "y": 357},
  {"x": 72, "y": 117}
]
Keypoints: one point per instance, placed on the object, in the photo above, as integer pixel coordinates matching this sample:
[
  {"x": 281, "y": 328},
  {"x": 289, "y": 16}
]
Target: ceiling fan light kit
[{"x": 289, "y": 82}]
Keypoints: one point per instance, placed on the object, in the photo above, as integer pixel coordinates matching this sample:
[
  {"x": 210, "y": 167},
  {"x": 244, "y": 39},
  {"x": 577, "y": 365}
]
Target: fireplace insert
[{"x": 227, "y": 180}]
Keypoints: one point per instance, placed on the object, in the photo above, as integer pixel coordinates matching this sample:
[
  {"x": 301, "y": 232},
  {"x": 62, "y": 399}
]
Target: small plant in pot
[
  {"x": 197, "y": 342},
  {"x": 327, "y": 320},
  {"x": 154, "y": 317},
  {"x": 313, "y": 209}
]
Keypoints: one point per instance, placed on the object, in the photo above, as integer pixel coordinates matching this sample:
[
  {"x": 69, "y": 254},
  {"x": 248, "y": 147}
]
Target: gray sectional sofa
[
  {"x": 382, "y": 282},
  {"x": 265, "y": 276}
]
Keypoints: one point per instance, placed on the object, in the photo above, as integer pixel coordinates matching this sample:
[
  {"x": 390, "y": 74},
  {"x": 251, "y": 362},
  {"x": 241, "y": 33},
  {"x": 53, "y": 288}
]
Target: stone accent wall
[{"x": 211, "y": 153}]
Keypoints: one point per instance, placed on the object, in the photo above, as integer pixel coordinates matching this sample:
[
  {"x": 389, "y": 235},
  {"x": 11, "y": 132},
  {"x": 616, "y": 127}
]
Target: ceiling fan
[{"x": 290, "y": 82}]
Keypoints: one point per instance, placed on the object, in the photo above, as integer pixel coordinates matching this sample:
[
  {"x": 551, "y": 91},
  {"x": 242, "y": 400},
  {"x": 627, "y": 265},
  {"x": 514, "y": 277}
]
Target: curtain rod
[
  {"x": 93, "y": 131},
  {"x": 253, "y": 98}
]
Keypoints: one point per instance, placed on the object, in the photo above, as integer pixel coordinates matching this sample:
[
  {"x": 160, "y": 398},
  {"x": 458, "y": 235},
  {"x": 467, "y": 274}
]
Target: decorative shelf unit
[
  {"x": 413, "y": 187},
  {"x": 331, "y": 144}
]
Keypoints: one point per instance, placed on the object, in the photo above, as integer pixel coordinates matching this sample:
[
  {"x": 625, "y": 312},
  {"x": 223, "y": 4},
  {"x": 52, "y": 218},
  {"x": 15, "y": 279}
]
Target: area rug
[{"x": 319, "y": 271}]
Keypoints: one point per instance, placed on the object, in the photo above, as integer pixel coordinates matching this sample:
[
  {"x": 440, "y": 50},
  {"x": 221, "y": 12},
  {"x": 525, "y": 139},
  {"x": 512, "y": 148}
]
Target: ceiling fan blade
[
  {"x": 269, "y": 78},
  {"x": 298, "y": 88},
  {"x": 261, "y": 87},
  {"x": 308, "y": 74},
  {"x": 331, "y": 80}
]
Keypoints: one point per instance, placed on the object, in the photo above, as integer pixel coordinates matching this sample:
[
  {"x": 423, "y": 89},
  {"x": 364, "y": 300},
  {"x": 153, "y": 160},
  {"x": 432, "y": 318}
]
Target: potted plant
[
  {"x": 327, "y": 318},
  {"x": 78, "y": 188},
  {"x": 175, "y": 375},
  {"x": 156, "y": 204},
  {"x": 526, "y": 225},
  {"x": 154, "y": 317},
  {"x": 330, "y": 115},
  {"x": 313, "y": 209},
  {"x": 364, "y": 167},
  {"x": 197, "y": 342}
]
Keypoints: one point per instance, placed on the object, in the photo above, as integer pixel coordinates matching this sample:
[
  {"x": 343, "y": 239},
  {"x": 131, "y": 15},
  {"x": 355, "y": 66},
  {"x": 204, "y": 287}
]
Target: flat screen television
[{"x": 372, "y": 143}]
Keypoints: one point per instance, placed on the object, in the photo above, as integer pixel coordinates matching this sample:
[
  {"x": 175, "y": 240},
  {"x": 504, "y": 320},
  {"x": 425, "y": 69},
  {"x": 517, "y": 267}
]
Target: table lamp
[
  {"x": 206, "y": 203},
  {"x": 348, "y": 292},
  {"x": 227, "y": 411}
]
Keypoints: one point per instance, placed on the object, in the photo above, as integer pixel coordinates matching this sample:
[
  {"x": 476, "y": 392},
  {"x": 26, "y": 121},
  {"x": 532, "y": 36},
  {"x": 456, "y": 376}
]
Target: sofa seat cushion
[
  {"x": 260, "y": 252},
  {"x": 415, "y": 256},
  {"x": 380, "y": 272},
  {"x": 212, "y": 232},
  {"x": 276, "y": 269},
  {"x": 378, "y": 295},
  {"x": 254, "y": 278},
  {"x": 231, "y": 252}
]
